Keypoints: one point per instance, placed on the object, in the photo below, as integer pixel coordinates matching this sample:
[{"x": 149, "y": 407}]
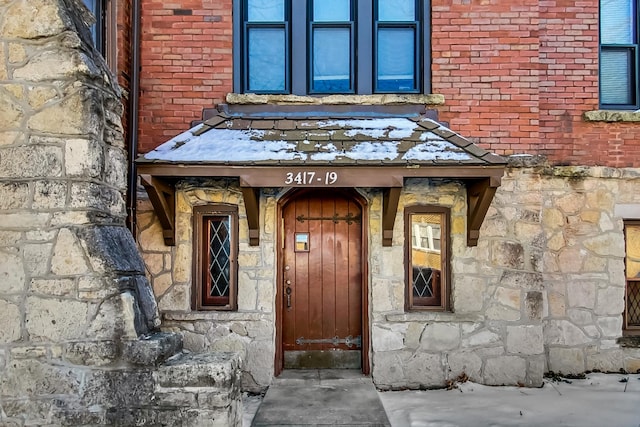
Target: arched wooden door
[{"x": 322, "y": 281}]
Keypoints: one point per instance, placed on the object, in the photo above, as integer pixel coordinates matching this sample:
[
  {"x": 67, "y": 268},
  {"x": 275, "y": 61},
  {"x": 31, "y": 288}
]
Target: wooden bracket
[
  {"x": 252, "y": 206},
  {"x": 163, "y": 198},
  {"x": 390, "y": 199},
  {"x": 479, "y": 196}
]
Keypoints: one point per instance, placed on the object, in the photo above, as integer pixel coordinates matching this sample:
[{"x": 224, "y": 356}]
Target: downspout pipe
[{"x": 133, "y": 117}]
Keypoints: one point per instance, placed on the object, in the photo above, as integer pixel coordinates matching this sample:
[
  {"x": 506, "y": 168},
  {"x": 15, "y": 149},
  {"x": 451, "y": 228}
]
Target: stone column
[{"x": 72, "y": 285}]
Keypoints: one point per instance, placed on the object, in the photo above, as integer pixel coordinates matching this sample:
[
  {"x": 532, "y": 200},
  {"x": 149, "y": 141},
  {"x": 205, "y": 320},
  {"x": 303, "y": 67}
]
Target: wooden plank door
[{"x": 322, "y": 282}]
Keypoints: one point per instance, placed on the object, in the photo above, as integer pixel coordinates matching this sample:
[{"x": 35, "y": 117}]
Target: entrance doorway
[{"x": 321, "y": 290}]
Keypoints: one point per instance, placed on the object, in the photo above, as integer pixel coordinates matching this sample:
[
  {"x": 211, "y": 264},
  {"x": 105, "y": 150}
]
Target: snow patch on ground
[{"x": 600, "y": 400}]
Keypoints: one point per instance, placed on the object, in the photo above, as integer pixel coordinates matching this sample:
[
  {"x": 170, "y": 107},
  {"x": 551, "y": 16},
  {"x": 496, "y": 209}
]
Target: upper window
[
  {"x": 632, "y": 267},
  {"x": 331, "y": 46},
  {"x": 619, "y": 54},
  {"x": 427, "y": 257},
  {"x": 97, "y": 29},
  {"x": 215, "y": 274}
]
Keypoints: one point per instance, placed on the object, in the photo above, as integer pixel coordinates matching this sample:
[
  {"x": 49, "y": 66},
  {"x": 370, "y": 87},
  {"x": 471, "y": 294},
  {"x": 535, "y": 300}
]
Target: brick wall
[
  {"x": 485, "y": 63},
  {"x": 186, "y": 64},
  {"x": 523, "y": 77},
  {"x": 516, "y": 75}
]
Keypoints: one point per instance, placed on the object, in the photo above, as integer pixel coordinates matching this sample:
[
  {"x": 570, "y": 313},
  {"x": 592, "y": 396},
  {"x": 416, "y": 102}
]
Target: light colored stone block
[
  {"x": 581, "y": 294},
  {"x": 55, "y": 319},
  {"x": 388, "y": 338},
  {"x": 525, "y": 340},
  {"x": 10, "y": 320},
  {"x": 440, "y": 337},
  {"x": 68, "y": 256},
  {"x": 11, "y": 273},
  {"x": 505, "y": 370}
]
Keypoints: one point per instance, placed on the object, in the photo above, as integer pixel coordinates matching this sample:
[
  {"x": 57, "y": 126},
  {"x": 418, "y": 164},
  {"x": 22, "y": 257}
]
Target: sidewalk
[{"x": 320, "y": 398}]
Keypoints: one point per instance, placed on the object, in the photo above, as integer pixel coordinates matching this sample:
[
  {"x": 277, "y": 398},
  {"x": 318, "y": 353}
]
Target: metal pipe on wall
[{"x": 134, "y": 99}]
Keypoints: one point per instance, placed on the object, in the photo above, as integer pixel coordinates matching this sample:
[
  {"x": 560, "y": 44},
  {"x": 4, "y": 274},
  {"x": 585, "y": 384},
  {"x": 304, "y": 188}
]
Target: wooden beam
[
  {"x": 163, "y": 199},
  {"x": 252, "y": 206},
  {"x": 390, "y": 199},
  {"x": 479, "y": 196}
]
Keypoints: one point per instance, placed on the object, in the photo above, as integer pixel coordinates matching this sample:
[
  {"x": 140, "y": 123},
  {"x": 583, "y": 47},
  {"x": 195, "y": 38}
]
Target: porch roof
[
  {"x": 353, "y": 146},
  {"x": 331, "y": 140}
]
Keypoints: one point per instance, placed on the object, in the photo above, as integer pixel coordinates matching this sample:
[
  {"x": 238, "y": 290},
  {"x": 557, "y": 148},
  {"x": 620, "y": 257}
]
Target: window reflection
[{"x": 426, "y": 258}]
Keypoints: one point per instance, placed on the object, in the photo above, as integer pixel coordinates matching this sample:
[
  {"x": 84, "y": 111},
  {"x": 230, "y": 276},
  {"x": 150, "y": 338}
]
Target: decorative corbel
[
  {"x": 163, "y": 198},
  {"x": 479, "y": 196},
  {"x": 252, "y": 206},
  {"x": 390, "y": 199}
]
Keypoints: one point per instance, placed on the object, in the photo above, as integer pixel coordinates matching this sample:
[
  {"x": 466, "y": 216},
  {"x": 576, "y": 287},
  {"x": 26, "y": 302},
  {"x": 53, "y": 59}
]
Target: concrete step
[{"x": 320, "y": 398}]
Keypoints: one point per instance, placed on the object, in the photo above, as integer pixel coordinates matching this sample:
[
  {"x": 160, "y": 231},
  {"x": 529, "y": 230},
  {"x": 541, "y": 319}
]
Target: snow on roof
[{"x": 386, "y": 140}]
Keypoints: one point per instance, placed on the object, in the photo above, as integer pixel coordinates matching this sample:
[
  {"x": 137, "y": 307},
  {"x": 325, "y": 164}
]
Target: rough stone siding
[
  {"x": 542, "y": 291},
  {"x": 250, "y": 330},
  {"x": 72, "y": 283}
]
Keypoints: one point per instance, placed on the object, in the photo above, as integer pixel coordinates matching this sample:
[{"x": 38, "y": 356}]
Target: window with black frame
[
  {"x": 427, "y": 258},
  {"x": 97, "y": 29},
  {"x": 619, "y": 54},
  {"x": 216, "y": 248},
  {"x": 332, "y": 46}
]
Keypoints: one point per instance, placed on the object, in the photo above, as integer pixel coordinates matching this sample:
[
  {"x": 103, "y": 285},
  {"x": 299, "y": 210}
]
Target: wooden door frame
[{"x": 357, "y": 198}]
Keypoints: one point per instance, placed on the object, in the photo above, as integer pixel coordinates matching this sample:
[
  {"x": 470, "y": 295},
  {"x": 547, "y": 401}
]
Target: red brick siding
[
  {"x": 516, "y": 75},
  {"x": 186, "y": 64},
  {"x": 486, "y": 64},
  {"x": 123, "y": 67}
]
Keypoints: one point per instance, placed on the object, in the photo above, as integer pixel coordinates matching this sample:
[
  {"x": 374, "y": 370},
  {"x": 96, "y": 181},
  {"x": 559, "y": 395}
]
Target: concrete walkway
[{"x": 320, "y": 398}]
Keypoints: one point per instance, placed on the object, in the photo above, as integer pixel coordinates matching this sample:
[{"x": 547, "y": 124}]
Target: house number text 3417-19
[{"x": 310, "y": 178}]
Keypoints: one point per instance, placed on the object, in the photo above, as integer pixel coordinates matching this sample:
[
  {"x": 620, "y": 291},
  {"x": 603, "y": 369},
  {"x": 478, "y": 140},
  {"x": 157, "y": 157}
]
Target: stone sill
[
  {"x": 611, "y": 116},
  {"x": 434, "y": 316},
  {"x": 380, "y": 99},
  {"x": 214, "y": 316}
]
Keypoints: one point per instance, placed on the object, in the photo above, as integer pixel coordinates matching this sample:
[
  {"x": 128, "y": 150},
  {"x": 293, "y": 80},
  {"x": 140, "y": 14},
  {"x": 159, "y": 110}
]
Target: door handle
[{"x": 288, "y": 292}]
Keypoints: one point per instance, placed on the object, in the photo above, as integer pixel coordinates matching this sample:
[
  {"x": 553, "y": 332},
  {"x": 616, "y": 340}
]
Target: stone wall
[
  {"x": 73, "y": 291},
  {"x": 542, "y": 291},
  {"x": 251, "y": 329}
]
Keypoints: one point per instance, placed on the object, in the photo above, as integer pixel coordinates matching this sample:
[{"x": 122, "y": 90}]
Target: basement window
[
  {"x": 215, "y": 257},
  {"x": 427, "y": 257},
  {"x": 632, "y": 268}
]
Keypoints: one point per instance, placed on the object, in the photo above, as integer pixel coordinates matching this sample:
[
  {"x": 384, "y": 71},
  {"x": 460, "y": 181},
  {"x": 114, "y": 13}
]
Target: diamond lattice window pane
[
  {"x": 633, "y": 303},
  {"x": 422, "y": 282},
  {"x": 220, "y": 256}
]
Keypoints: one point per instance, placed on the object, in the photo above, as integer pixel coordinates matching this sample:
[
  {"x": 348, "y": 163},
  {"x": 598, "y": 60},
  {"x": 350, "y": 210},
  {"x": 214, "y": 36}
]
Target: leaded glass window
[
  {"x": 427, "y": 257},
  {"x": 216, "y": 270},
  {"x": 632, "y": 267}
]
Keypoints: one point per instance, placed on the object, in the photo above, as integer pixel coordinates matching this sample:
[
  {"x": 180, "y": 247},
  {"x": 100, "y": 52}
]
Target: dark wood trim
[
  {"x": 349, "y": 175},
  {"x": 201, "y": 215},
  {"x": 390, "y": 199},
  {"x": 628, "y": 329},
  {"x": 482, "y": 185},
  {"x": 445, "y": 253},
  {"x": 479, "y": 196},
  {"x": 162, "y": 197},
  {"x": 252, "y": 206}
]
